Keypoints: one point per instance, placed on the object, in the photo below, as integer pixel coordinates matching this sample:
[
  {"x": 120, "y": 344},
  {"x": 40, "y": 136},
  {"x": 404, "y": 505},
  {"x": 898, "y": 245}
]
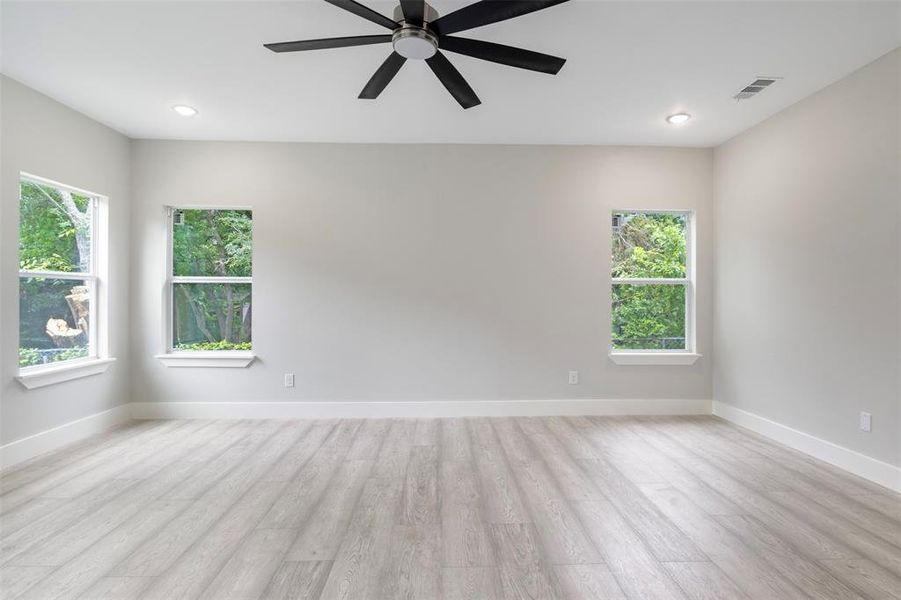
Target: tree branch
[
  {"x": 79, "y": 221},
  {"x": 53, "y": 201}
]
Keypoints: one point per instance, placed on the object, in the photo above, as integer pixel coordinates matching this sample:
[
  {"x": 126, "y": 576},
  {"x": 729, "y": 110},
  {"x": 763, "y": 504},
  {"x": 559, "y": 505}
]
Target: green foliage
[
  {"x": 649, "y": 317},
  {"x": 212, "y": 243},
  {"x": 650, "y": 245},
  {"x": 47, "y": 233},
  {"x": 38, "y": 356},
  {"x": 221, "y": 345},
  {"x": 211, "y": 312},
  {"x": 54, "y": 235}
]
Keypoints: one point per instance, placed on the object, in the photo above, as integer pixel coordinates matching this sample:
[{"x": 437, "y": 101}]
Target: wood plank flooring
[{"x": 574, "y": 508}]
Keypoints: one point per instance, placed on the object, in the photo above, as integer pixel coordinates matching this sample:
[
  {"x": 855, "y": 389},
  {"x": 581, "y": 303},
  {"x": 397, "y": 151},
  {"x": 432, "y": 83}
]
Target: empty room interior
[{"x": 450, "y": 300}]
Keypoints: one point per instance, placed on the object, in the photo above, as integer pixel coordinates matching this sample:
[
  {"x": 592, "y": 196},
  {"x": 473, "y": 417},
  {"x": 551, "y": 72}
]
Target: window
[
  {"x": 59, "y": 277},
  {"x": 210, "y": 284},
  {"x": 652, "y": 283}
]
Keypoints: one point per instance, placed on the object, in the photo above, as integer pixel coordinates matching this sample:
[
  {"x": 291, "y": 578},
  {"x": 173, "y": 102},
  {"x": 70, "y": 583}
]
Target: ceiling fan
[{"x": 417, "y": 32}]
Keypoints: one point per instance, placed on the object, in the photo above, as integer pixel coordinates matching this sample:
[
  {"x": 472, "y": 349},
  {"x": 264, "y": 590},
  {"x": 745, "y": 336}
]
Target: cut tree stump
[
  {"x": 61, "y": 334},
  {"x": 80, "y": 304},
  {"x": 58, "y": 330}
]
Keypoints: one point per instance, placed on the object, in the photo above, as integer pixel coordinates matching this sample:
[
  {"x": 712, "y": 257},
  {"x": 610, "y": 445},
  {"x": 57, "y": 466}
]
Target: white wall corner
[
  {"x": 68, "y": 433},
  {"x": 869, "y": 468}
]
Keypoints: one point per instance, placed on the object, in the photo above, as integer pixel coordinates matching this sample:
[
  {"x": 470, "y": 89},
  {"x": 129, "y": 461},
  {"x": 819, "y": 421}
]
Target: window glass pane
[
  {"x": 211, "y": 316},
  {"x": 54, "y": 320},
  {"x": 648, "y": 317},
  {"x": 55, "y": 228},
  {"x": 212, "y": 243},
  {"x": 649, "y": 245}
]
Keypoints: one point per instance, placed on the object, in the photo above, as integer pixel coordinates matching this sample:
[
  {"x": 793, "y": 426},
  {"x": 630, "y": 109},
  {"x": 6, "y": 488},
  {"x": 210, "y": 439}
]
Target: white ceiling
[{"x": 630, "y": 64}]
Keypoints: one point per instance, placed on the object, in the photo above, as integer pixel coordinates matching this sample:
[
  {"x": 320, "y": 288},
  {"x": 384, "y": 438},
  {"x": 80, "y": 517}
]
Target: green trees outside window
[
  {"x": 212, "y": 285},
  {"x": 650, "y": 281},
  {"x": 211, "y": 279},
  {"x": 56, "y": 277}
]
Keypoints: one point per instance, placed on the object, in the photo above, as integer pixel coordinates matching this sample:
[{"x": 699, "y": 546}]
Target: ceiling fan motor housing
[
  {"x": 429, "y": 13},
  {"x": 413, "y": 40}
]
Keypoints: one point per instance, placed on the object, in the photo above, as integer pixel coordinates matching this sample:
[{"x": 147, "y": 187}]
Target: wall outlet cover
[{"x": 866, "y": 421}]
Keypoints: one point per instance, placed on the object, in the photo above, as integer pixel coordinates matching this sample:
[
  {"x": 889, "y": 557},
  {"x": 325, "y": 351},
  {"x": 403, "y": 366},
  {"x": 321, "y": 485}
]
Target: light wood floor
[{"x": 576, "y": 508}]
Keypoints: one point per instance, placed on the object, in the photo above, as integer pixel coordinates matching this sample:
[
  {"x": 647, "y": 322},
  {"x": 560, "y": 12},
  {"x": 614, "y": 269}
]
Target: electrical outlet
[
  {"x": 866, "y": 421},
  {"x": 573, "y": 378},
  {"x": 289, "y": 379}
]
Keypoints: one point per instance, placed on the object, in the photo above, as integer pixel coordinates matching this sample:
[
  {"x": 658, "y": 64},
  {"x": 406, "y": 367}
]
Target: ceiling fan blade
[
  {"x": 340, "y": 42},
  {"x": 383, "y": 76},
  {"x": 414, "y": 11},
  {"x": 365, "y": 12},
  {"x": 505, "y": 55},
  {"x": 453, "y": 81},
  {"x": 487, "y": 11}
]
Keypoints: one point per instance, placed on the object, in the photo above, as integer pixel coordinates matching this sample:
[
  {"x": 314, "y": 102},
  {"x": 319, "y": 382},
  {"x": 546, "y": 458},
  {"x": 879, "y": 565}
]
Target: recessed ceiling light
[
  {"x": 678, "y": 118},
  {"x": 184, "y": 110}
]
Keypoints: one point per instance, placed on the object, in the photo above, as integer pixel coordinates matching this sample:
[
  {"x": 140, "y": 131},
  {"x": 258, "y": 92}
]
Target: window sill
[
  {"x": 654, "y": 358},
  {"x": 41, "y": 375},
  {"x": 228, "y": 360}
]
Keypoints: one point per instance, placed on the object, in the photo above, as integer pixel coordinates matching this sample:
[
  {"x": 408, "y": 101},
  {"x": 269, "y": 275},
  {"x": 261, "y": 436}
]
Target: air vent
[
  {"x": 755, "y": 87},
  {"x": 617, "y": 222}
]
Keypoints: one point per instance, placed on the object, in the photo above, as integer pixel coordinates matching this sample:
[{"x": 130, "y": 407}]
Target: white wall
[
  {"x": 481, "y": 272},
  {"x": 45, "y": 138},
  {"x": 412, "y": 272},
  {"x": 808, "y": 214}
]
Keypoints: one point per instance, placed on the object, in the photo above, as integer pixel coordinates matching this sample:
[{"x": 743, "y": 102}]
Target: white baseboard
[
  {"x": 852, "y": 461},
  {"x": 68, "y": 433},
  {"x": 859, "y": 464},
  {"x": 399, "y": 409}
]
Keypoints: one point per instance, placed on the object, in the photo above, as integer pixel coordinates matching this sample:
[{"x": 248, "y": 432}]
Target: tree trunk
[
  {"x": 226, "y": 320},
  {"x": 198, "y": 316},
  {"x": 229, "y": 314},
  {"x": 82, "y": 223},
  {"x": 246, "y": 319}
]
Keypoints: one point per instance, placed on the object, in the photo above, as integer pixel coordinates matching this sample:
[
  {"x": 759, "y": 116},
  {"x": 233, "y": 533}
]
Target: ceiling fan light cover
[{"x": 414, "y": 42}]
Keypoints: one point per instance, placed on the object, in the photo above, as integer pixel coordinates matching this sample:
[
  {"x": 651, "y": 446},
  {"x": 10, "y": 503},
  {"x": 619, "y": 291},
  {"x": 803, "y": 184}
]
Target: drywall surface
[
  {"x": 418, "y": 272},
  {"x": 807, "y": 329},
  {"x": 45, "y": 138}
]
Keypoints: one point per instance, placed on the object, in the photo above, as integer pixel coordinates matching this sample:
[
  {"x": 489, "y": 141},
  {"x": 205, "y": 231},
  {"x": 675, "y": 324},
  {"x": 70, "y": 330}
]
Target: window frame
[
  {"x": 679, "y": 356},
  {"x": 171, "y": 356},
  {"x": 98, "y": 359}
]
